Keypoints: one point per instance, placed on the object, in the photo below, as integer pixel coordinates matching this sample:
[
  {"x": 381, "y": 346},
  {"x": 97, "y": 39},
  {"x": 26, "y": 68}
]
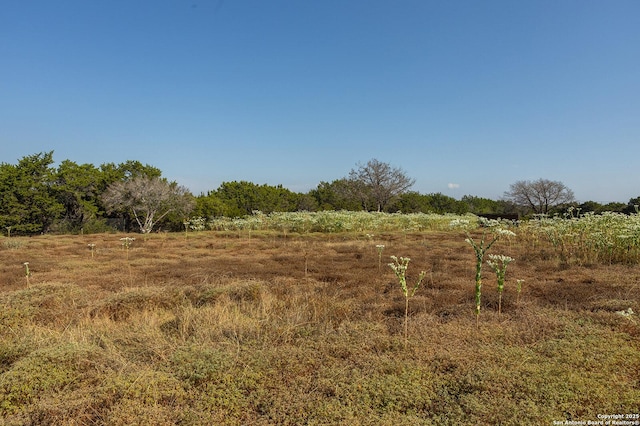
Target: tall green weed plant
[{"x": 492, "y": 231}]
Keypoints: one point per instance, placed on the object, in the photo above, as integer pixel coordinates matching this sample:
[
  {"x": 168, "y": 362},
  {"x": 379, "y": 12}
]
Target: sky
[{"x": 466, "y": 96}]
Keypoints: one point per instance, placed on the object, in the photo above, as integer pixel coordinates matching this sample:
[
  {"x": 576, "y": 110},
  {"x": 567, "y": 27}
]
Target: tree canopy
[
  {"x": 36, "y": 197},
  {"x": 28, "y": 202}
]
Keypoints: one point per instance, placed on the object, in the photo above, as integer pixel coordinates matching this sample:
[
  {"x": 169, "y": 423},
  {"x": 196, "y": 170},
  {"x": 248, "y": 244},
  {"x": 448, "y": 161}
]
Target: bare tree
[
  {"x": 539, "y": 195},
  {"x": 379, "y": 183},
  {"x": 148, "y": 199}
]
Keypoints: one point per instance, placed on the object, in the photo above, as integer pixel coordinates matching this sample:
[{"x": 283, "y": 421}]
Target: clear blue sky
[{"x": 466, "y": 96}]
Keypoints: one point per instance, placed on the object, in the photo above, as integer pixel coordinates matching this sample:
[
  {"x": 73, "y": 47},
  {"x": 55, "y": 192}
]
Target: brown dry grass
[{"x": 221, "y": 329}]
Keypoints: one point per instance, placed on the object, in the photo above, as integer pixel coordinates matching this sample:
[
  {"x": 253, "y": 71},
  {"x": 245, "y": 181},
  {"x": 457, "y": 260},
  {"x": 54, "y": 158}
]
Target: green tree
[
  {"x": 111, "y": 172},
  {"x": 633, "y": 206},
  {"x": 28, "y": 201},
  {"x": 441, "y": 204},
  {"x": 412, "y": 202},
  {"x": 78, "y": 190},
  {"x": 480, "y": 205},
  {"x": 307, "y": 203},
  {"x": 238, "y": 198},
  {"x": 277, "y": 199},
  {"x": 128, "y": 170},
  {"x": 242, "y": 198},
  {"x": 209, "y": 205},
  {"x": 598, "y": 208},
  {"x": 616, "y": 207},
  {"x": 12, "y": 211},
  {"x": 335, "y": 196}
]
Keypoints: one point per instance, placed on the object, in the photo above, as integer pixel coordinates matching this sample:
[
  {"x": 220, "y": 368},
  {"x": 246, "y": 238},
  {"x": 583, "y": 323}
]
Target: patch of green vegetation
[
  {"x": 43, "y": 371},
  {"x": 197, "y": 365},
  {"x": 11, "y": 351}
]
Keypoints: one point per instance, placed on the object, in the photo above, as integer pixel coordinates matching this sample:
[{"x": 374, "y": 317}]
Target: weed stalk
[
  {"x": 380, "y": 248},
  {"x": 126, "y": 243},
  {"x": 400, "y": 266},
  {"x": 518, "y": 290},
  {"x": 27, "y": 272},
  {"x": 499, "y": 264}
]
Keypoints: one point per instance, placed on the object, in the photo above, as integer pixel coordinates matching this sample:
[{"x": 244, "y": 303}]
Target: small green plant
[
  {"x": 400, "y": 268},
  {"x": 27, "y": 272},
  {"x": 380, "y": 248},
  {"x": 498, "y": 263}
]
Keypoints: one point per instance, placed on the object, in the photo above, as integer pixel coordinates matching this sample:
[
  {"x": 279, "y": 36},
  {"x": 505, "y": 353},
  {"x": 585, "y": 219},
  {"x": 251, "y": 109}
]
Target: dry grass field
[{"x": 220, "y": 328}]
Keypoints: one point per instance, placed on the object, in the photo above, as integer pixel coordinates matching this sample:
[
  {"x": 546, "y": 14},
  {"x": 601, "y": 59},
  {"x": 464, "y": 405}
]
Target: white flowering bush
[
  {"x": 197, "y": 223},
  {"x": 589, "y": 238},
  {"x": 334, "y": 221}
]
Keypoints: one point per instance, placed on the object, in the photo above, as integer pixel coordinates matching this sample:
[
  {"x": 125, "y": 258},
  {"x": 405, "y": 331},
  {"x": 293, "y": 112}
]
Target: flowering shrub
[
  {"x": 589, "y": 238},
  {"x": 334, "y": 221}
]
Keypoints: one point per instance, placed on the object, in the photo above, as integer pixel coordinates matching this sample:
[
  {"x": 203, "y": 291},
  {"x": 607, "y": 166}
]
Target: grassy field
[{"x": 267, "y": 327}]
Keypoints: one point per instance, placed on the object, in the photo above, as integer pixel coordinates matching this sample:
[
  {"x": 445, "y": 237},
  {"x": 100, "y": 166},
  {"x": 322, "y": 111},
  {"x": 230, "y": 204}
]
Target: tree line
[{"x": 36, "y": 197}]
